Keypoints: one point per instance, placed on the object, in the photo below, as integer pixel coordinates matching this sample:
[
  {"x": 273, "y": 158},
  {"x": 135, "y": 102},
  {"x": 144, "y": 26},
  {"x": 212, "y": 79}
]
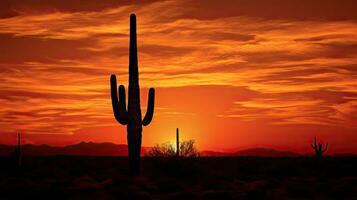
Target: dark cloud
[
  {"x": 228, "y": 36},
  {"x": 204, "y": 70},
  {"x": 322, "y": 38},
  {"x": 351, "y": 69},
  {"x": 276, "y": 56},
  {"x": 163, "y": 51},
  {"x": 201, "y": 9},
  {"x": 330, "y": 50},
  {"x": 273, "y": 9},
  {"x": 329, "y": 95},
  {"x": 300, "y": 76},
  {"x": 6, "y": 9},
  {"x": 72, "y": 69},
  {"x": 59, "y": 55},
  {"x": 20, "y": 95},
  {"x": 208, "y": 99},
  {"x": 339, "y": 49},
  {"x": 19, "y": 49},
  {"x": 11, "y": 8}
]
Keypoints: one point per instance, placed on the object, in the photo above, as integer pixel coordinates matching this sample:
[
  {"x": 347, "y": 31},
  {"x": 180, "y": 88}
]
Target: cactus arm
[
  {"x": 119, "y": 106},
  {"x": 315, "y": 144},
  {"x": 122, "y": 104},
  {"x": 150, "y": 107},
  {"x": 312, "y": 146},
  {"x": 326, "y": 146}
]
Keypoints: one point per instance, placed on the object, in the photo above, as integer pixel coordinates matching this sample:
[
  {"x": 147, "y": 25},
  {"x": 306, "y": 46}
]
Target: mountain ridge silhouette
[
  {"x": 112, "y": 149},
  {"x": 79, "y": 149},
  {"x": 264, "y": 152}
]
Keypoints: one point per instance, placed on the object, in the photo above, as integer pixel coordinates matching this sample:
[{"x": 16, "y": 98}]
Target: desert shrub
[
  {"x": 187, "y": 149},
  {"x": 163, "y": 150}
]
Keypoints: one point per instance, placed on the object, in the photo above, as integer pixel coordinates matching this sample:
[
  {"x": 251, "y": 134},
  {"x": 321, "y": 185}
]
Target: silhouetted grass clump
[{"x": 187, "y": 149}]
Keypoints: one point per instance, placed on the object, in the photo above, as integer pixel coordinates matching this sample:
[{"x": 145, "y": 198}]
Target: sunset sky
[{"x": 232, "y": 75}]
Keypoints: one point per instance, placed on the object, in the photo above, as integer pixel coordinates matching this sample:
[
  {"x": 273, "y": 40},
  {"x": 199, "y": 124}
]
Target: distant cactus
[
  {"x": 184, "y": 149},
  {"x": 18, "y": 152},
  {"x": 317, "y": 146},
  {"x": 177, "y": 143},
  {"x": 131, "y": 116}
]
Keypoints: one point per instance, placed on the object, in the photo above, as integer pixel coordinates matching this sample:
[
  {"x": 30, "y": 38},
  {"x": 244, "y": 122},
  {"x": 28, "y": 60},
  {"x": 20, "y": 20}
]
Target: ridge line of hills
[{"x": 111, "y": 149}]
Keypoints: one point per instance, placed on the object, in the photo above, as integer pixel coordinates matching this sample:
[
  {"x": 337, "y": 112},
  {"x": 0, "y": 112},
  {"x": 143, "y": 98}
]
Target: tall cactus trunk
[
  {"x": 177, "y": 143},
  {"x": 18, "y": 152},
  {"x": 134, "y": 128},
  {"x": 131, "y": 116}
]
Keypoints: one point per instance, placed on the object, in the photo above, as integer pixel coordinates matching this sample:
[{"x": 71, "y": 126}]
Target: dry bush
[
  {"x": 163, "y": 150},
  {"x": 187, "y": 149}
]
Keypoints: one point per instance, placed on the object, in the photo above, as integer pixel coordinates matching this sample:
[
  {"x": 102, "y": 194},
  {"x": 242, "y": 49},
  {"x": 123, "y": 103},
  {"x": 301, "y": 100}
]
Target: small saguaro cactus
[
  {"x": 177, "y": 143},
  {"x": 317, "y": 146},
  {"x": 18, "y": 151},
  {"x": 131, "y": 115}
]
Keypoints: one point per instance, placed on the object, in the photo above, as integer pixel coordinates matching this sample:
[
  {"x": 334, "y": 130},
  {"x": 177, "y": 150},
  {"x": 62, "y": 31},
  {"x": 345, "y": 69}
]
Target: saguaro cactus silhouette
[
  {"x": 18, "y": 151},
  {"x": 317, "y": 146},
  {"x": 131, "y": 115},
  {"x": 177, "y": 143}
]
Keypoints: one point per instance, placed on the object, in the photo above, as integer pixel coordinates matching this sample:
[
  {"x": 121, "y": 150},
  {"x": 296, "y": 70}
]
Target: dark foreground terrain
[{"x": 223, "y": 178}]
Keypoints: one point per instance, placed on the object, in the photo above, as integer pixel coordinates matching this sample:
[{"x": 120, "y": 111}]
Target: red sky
[{"x": 246, "y": 73}]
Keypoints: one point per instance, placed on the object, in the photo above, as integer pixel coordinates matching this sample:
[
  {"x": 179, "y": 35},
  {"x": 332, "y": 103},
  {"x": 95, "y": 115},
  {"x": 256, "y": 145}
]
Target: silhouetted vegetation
[
  {"x": 131, "y": 116},
  {"x": 163, "y": 150},
  {"x": 187, "y": 149},
  {"x": 318, "y": 148},
  {"x": 73, "y": 177},
  {"x": 16, "y": 155},
  {"x": 177, "y": 143}
]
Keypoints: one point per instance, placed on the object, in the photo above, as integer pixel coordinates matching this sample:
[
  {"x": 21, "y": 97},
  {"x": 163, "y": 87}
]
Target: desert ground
[{"x": 71, "y": 177}]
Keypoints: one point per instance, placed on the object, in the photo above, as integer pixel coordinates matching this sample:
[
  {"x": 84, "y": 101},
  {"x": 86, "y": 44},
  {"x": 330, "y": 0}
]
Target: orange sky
[{"x": 246, "y": 73}]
